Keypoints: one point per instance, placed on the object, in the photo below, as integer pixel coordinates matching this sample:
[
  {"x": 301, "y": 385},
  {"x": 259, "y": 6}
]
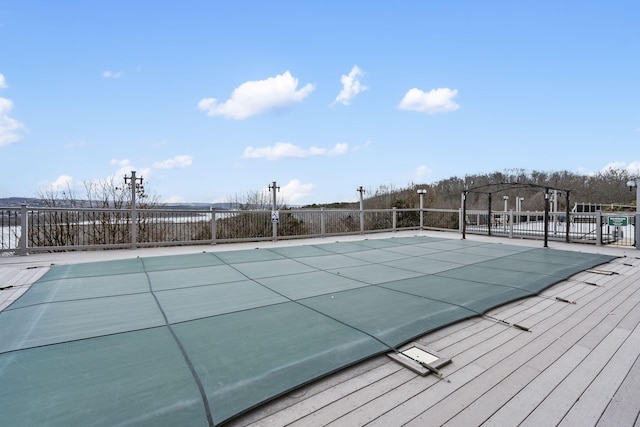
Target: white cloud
[
  {"x": 632, "y": 168},
  {"x": 435, "y": 101},
  {"x": 286, "y": 150},
  {"x": 257, "y": 97},
  {"x": 62, "y": 183},
  {"x": 351, "y": 86},
  {"x": 10, "y": 129},
  {"x": 3, "y": 82},
  {"x": 121, "y": 163},
  {"x": 124, "y": 169},
  {"x": 112, "y": 75},
  {"x": 422, "y": 172},
  {"x": 295, "y": 191},
  {"x": 367, "y": 143},
  {"x": 613, "y": 165},
  {"x": 75, "y": 145},
  {"x": 177, "y": 162}
]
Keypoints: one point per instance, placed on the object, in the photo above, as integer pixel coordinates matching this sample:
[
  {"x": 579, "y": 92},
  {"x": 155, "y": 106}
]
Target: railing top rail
[{"x": 78, "y": 209}]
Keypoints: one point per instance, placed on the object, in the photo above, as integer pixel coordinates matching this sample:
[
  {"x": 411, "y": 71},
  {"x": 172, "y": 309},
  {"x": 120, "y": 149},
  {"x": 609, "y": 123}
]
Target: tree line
[{"x": 607, "y": 187}]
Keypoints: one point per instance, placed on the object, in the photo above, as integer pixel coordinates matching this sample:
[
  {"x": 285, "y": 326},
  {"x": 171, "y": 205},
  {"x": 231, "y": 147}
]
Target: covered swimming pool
[{"x": 198, "y": 339}]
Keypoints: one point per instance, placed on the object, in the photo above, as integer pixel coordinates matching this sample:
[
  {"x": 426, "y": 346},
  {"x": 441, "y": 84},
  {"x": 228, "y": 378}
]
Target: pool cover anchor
[
  {"x": 421, "y": 360},
  {"x": 599, "y": 271},
  {"x": 434, "y": 371},
  {"x": 565, "y": 300},
  {"x": 504, "y": 322}
]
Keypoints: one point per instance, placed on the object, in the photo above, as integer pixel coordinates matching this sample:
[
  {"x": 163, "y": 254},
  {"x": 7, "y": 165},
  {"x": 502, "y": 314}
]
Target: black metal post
[
  {"x": 567, "y": 215},
  {"x": 489, "y": 219},
  {"x": 464, "y": 215},
  {"x": 546, "y": 217}
]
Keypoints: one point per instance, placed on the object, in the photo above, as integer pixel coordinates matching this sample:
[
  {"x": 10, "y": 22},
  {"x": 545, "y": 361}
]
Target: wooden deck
[
  {"x": 15, "y": 279},
  {"x": 578, "y": 365}
]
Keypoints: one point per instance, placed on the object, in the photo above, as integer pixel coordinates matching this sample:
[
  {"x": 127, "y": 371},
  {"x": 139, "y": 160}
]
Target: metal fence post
[
  {"x": 636, "y": 226},
  {"x": 394, "y": 221},
  {"x": 24, "y": 230},
  {"x": 361, "y": 191},
  {"x": 511, "y": 224},
  {"x": 598, "y": 228},
  {"x": 422, "y": 192},
  {"x": 134, "y": 226},
  {"x": 546, "y": 217},
  {"x": 323, "y": 215},
  {"x": 213, "y": 225}
]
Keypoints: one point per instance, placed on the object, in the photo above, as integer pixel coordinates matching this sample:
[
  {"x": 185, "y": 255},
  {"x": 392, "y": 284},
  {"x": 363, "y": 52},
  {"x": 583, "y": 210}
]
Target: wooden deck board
[
  {"x": 317, "y": 401},
  {"x": 518, "y": 407},
  {"x": 14, "y": 281},
  {"x": 318, "y": 394},
  {"x": 440, "y": 390},
  {"x": 364, "y": 414},
  {"x": 593, "y": 402},
  {"x": 334, "y": 412},
  {"x": 624, "y": 408},
  {"x": 556, "y": 405}
]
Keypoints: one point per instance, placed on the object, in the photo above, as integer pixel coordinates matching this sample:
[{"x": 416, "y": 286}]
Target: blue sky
[{"x": 208, "y": 100}]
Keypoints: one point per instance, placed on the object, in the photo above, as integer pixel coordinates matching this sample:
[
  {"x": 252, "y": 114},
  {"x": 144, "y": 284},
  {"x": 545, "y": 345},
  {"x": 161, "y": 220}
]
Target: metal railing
[
  {"x": 29, "y": 229},
  {"x": 582, "y": 227}
]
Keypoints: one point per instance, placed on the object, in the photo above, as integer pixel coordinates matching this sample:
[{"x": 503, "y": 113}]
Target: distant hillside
[
  {"x": 17, "y": 201},
  {"x": 39, "y": 203}
]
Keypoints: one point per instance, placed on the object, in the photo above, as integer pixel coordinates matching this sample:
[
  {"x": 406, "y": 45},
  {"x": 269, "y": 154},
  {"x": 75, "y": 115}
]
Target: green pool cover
[{"x": 198, "y": 339}]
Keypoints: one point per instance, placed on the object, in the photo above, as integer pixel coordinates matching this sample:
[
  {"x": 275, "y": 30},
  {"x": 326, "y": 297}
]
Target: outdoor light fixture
[
  {"x": 422, "y": 191},
  {"x": 633, "y": 183}
]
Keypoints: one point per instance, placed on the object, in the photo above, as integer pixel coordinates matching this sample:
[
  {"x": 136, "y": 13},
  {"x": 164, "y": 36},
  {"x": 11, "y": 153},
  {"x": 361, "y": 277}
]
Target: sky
[{"x": 210, "y": 101}]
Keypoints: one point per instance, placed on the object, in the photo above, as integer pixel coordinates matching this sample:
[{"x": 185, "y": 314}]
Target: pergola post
[
  {"x": 568, "y": 212},
  {"x": 489, "y": 219},
  {"x": 546, "y": 217},
  {"x": 464, "y": 214}
]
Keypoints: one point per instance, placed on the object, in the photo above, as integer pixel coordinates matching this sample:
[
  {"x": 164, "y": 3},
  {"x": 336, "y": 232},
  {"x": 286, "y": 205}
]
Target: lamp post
[
  {"x": 519, "y": 201},
  {"x": 275, "y": 215},
  {"x": 422, "y": 192},
  {"x": 634, "y": 184},
  {"x": 631, "y": 184}
]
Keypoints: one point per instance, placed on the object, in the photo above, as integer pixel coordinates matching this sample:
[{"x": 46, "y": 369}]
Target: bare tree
[{"x": 108, "y": 221}]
